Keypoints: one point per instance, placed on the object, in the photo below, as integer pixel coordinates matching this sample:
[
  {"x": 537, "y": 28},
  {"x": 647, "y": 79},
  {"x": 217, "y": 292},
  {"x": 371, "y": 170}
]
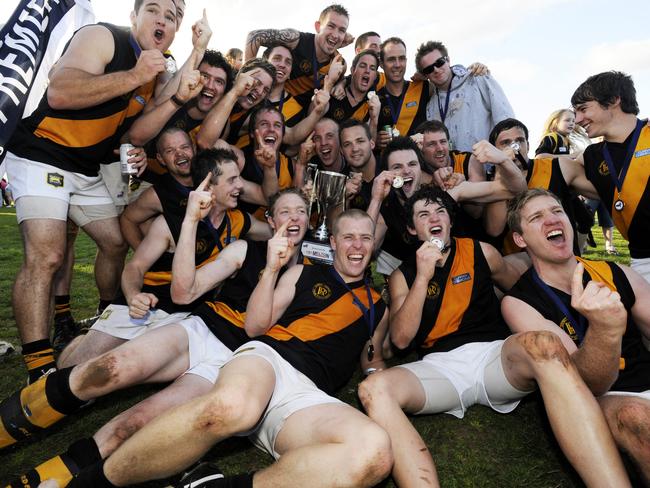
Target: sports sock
[
  {"x": 62, "y": 307},
  {"x": 63, "y": 468},
  {"x": 92, "y": 477},
  {"x": 39, "y": 358},
  {"x": 102, "y": 305},
  {"x": 37, "y": 406}
]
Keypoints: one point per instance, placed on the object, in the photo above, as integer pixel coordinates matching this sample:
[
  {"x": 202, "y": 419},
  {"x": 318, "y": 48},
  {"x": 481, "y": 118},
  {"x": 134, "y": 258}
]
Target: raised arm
[
  {"x": 504, "y": 273},
  {"x": 188, "y": 282},
  {"x": 597, "y": 358},
  {"x": 267, "y": 303},
  {"x": 574, "y": 175},
  {"x": 78, "y": 81},
  {"x": 201, "y": 34},
  {"x": 263, "y": 37},
  {"x": 407, "y": 304}
]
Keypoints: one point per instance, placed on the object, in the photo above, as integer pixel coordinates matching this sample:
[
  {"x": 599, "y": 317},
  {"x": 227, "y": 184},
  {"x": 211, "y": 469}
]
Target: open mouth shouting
[{"x": 555, "y": 236}]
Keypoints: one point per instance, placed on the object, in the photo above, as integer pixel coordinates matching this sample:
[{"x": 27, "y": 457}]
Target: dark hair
[
  {"x": 336, "y": 8},
  {"x": 273, "y": 199},
  {"x": 605, "y": 88},
  {"x": 210, "y": 161},
  {"x": 259, "y": 111},
  {"x": 390, "y": 40},
  {"x": 263, "y": 64},
  {"x": 400, "y": 144},
  {"x": 427, "y": 47},
  {"x": 266, "y": 54},
  {"x": 432, "y": 126},
  {"x": 506, "y": 124},
  {"x": 431, "y": 194},
  {"x": 216, "y": 60},
  {"x": 516, "y": 205},
  {"x": 361, "y": 40},
  {"x": 349, "y": 123},
  {"x": 169, "y": 131},
  {"x": 365, "y": 52}
]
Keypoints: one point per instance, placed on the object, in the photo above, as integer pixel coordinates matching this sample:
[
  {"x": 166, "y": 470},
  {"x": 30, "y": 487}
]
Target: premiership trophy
[{"x": 328, "y": 191}]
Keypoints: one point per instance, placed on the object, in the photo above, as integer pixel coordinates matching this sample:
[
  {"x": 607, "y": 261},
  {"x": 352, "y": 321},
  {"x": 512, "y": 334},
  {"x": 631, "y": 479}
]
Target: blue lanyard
[
  {"x": 443, "y": 113},
  {"x": 580, "y": 325},
  {"x": 619, "y": 178},
  {"x": 394, "y": 112},
  {"x": 368, "y": 313},
  {"x": 136, "y": 47},
  {"x": 259, "y": 170},
  {"x": 215, "y": 233}
]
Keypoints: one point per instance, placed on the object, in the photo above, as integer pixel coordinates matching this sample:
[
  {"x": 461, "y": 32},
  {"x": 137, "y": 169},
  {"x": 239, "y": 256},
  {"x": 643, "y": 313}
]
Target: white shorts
[
  {"x": 116, "y": 183},
  {"x": 641, "y": 266},
  {"x": 465, "y": 368},
  {"x": 387, "y": 263},
  {"x": 207, "y": 353},
  {"x": 293, "y": 392},
  {"x": 640, "y": 394},
  {"x": 116, "y": 321},
  {"x": 53, "y": 188}
]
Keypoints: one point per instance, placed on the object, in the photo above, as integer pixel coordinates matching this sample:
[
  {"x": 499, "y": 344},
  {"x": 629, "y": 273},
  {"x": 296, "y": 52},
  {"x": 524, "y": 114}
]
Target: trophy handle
[{"x": 312, "y": 193}]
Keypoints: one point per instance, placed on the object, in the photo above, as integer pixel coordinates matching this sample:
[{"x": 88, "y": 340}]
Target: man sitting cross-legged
[
  {"x": 444, "y": 306},
  {"x": 598, "y": 309},
  {"x": 311, "y": 328}
]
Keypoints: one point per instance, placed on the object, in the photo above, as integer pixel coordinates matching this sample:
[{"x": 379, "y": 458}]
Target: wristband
[{"x": 176, "y": 101}]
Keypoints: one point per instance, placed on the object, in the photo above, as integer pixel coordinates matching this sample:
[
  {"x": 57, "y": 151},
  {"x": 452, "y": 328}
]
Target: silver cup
[{"x": 330, "y": 192}]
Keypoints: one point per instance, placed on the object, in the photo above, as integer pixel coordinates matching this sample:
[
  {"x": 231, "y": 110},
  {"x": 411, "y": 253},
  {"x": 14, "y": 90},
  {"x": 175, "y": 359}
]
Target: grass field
[{"x": 485, "y": 449}]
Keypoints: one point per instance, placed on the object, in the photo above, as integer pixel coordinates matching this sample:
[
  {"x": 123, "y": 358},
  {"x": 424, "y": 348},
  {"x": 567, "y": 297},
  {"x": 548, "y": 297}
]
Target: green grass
[{"x": 485, "y": 449}]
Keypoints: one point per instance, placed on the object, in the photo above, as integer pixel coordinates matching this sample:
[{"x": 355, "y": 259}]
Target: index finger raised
[
  {"x": 576, "y": 281},
  {"x": 282, "y": 230},
  {"x": 204, "y": 184}
]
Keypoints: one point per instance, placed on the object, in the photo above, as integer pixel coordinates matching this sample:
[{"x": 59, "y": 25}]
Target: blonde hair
[{"x": 577, "y": 139}]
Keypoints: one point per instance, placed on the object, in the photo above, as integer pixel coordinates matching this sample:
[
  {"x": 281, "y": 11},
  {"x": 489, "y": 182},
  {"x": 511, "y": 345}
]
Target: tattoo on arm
[{"x": 264, "y": 37}]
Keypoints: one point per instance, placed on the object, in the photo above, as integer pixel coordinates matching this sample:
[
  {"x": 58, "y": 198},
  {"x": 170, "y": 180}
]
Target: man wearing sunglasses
[{"x": 469, "y": 106}]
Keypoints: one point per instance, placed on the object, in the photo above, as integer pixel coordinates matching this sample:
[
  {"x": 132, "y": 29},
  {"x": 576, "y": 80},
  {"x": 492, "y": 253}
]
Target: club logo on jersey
[
  {"x": 433, "y": 290},
  {"x": 386, "y": 112},
  {"x": 455, "y": 280},
  {"x": 338, "y": 114},
  {"x": 603, "y": 169},
  {"x": 566, "y": 326},
  {"x": 411, "y": 104},
  {"x": 201, "y": 246},
  {"x": 321, "y": 291},
  {"x": 55, "y": 180},
  {"x": 183, "y": 202},
  {"x": 305, "y": 66}
]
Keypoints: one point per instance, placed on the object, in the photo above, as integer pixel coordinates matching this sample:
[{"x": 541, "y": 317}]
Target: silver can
[{"x": 126, "y": 167}]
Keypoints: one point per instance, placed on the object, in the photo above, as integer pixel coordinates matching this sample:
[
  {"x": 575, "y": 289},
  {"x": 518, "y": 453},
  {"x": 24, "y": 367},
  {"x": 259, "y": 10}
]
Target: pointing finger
[{"x": 204, "y": 184}]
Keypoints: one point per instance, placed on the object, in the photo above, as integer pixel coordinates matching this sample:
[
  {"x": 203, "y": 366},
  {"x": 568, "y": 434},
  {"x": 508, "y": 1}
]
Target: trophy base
[{"x": 318, "y": 252}]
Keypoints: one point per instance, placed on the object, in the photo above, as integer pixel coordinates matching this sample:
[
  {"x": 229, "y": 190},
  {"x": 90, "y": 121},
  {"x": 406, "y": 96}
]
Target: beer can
[{"x": 125, "y": 167}]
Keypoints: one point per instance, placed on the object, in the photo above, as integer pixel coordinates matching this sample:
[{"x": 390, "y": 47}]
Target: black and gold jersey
[
  {"x": 406, "y": 111},
  {"x": 554, "y": 143},
  {"x": 80, "y": 140},
  {"x": 633, "y": 220},
  {"x": 634, "y": 374},
  {"x": 461, "y": 306},
  {"x": 322, "y": 333}
]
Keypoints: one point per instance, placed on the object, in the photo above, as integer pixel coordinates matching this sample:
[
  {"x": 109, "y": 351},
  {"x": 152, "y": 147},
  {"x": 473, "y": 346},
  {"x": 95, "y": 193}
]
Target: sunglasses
[{"x": 438, "y": 63}]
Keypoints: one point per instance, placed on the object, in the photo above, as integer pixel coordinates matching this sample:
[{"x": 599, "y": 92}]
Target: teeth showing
[
  {"x": 355, "y": 257},
  {"x": 270, "y": 139},
  {"x": 554, "y": 233},
  {"x": 293, "y": 228},
  {"x": 435, "y": 229},
  {"x": 159, "y": 33},
  {"x": 207, "y": 94}
]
